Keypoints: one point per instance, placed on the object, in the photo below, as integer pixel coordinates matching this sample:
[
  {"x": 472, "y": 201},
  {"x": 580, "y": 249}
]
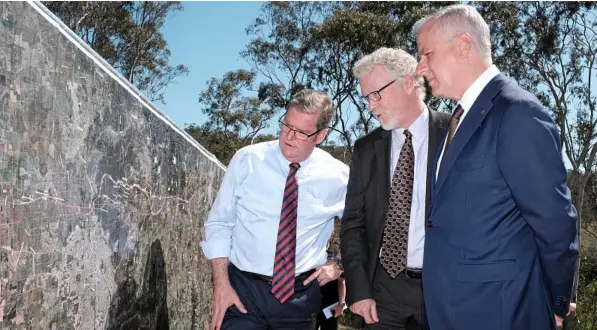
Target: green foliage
[
  {"x": 587, "y": 290},
  {"x": 234, "y": 119},
  {"x": 550, "y": 48},
  {"x": 228, "y": 108},
  {"x": 127, "y": 35},
  {"x": 223, "y": 144}
]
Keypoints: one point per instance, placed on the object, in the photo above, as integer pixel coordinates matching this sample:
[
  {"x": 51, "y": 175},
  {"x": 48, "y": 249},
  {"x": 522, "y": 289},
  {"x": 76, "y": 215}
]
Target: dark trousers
[
  {"x": 329, "y": 295},
  {"x": 326, "y": 324},
  {"x": 264, "y": 311},
  {"x": 399, "y": 301}
]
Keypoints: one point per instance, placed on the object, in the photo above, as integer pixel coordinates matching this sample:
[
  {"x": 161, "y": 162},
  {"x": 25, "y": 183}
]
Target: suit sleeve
[
  {"x": 353, "y": 235},
  {"x": 530, "y": 158}
]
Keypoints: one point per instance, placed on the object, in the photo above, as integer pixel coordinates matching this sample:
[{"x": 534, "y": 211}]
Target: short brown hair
[{"x": 312, "y": 101}]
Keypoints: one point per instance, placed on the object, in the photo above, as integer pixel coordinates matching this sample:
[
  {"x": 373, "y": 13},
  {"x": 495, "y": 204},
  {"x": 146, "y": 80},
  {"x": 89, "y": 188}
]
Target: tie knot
[
  {"x": 408, "y": 134},
  {"x": 458, "y": 112},
  {"x": 294, "y": 166}
]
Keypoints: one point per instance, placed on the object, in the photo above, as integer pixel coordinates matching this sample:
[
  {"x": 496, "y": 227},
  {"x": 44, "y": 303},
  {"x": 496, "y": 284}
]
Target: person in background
[
  {"x": 331, "y": 293},
  {"x": 334, "y": 291},
  {"x": 267, "y": 231},
  {"x": 502, "y": 242}
]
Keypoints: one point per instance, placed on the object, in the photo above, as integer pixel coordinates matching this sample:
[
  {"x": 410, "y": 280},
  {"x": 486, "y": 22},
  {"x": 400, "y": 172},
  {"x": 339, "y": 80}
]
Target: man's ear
[
  {"x": 321, "y": 136},
  {"x": 408, "y": 83},
  {"x": 464, "y": 44}
]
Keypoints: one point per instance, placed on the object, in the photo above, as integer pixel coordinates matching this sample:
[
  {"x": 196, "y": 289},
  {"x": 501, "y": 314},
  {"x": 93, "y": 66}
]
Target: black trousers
[
  {"x": 264, "y": 311},
  {"x": 329, "y": 295},
  {"x": 326, "y": 324},
  {"x": 399, "y": 302}
]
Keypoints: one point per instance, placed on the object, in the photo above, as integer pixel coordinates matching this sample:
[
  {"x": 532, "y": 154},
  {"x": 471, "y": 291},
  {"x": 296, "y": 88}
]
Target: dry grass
[
  {"x": 588, "y": 240},
  {"x": 343, "y": 327}
]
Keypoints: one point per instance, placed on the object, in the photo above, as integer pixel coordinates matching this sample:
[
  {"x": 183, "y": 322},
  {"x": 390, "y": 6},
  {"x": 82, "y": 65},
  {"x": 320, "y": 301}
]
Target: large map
[{"x": 102, "y": 198}]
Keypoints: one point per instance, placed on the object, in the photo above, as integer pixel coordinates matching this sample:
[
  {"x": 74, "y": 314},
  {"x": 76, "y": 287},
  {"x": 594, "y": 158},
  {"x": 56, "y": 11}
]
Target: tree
[
  {"x": 279, "y": 49},
  {"x": 590, "y": 208},
  {"x": 587, "y": 301},
  {"x": 234, "y": 119},
  {"x": 550, "y": 48},
  {"x": 306, "y": 44},
  {"x": 338, "y": 43},
  {"x": 127, "y": 35}
]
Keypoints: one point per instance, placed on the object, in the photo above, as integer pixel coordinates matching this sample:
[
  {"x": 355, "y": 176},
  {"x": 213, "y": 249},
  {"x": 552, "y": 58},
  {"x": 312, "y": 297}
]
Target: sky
[{"x": 207, "y": 37}]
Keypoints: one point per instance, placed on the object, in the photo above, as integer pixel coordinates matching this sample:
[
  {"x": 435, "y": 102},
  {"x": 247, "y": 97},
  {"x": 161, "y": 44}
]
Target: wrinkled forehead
[
  {"x": 427, "y": 36},
  {"x": 301, "y": 120}
]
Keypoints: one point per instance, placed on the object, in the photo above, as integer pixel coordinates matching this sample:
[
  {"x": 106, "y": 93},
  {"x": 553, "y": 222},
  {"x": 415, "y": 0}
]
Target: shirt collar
[
  {"x": 472, "y": 93},
  {"x": 418, "y": 128},
  {"x": 286, "y": 164}
]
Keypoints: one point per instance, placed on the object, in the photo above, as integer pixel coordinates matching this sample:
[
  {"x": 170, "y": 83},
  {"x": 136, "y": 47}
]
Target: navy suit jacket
[{"x": 502, "y": 243}]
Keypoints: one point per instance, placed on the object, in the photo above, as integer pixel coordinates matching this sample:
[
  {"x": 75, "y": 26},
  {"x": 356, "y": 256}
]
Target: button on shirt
[
  {"x": 416, "y": 231},
  {"x": 243, "y": 222}
]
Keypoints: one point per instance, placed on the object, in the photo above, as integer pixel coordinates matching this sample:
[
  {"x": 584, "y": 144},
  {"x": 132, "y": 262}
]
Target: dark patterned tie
[
  {"x": 284, "y": 262},
  {"x": 453, "y": 125},
  {"x": 394, "y": 246}
]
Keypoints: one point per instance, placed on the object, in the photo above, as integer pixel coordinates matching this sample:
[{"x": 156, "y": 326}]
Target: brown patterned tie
[
  {"x": 453, "y": 125},
  {"x": 394, "y": 245}
]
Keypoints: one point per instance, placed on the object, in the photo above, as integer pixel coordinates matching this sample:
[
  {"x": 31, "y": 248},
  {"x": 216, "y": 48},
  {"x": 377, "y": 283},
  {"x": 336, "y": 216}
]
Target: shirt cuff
[{"x": 216, "y": 249}]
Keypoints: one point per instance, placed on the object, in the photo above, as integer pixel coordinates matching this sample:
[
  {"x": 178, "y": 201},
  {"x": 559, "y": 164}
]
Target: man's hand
[
  {"x": 367, "y": 309},
  {"x": 559, "y": 320},
  {"x": 324, "y": 274},
  {"x": 224, "y": 297},
  {"x": 338, "y": 310}
]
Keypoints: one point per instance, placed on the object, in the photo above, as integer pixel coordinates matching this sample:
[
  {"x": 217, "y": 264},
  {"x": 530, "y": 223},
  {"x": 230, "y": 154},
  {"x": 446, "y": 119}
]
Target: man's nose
[
  {"x": 291, "y": 135},
  {"x": 421, "y": 67}
]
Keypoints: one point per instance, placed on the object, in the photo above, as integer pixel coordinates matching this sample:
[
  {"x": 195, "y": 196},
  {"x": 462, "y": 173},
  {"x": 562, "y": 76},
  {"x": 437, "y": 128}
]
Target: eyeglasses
[
  {"x": 375, "y": 95},
  {"x": 298, "y": 134}
]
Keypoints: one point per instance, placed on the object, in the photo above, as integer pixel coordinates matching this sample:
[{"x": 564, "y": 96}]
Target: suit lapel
[
  {"x": 383, "y": 159},
  {"x": 437, "y": 128},
  {"x": 472, "y": 121}
]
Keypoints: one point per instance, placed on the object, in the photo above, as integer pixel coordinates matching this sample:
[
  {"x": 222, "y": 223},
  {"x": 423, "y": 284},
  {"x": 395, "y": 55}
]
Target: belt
[
  {"x": 299, "y": 278},
  {"x": 413, "y": 272}
]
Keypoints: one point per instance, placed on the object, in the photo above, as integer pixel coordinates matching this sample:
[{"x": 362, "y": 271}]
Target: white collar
[
  {"x": 472, "y": 93},
  {"x": 418, "y": 128}
]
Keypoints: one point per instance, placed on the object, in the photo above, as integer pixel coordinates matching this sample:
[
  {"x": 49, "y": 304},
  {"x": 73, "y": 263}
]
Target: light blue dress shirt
[{"x": 243, "y": 222}]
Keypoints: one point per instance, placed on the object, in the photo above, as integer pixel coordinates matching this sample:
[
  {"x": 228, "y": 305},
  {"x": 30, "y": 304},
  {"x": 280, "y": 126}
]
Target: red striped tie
[{"x": 283, "y": 279}]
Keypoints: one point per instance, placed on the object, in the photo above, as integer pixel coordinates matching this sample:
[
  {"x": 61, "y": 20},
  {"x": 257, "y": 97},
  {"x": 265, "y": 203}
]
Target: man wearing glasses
[
  {"x": 387, "y": 199},
  {"x": 267, "y": 231}
]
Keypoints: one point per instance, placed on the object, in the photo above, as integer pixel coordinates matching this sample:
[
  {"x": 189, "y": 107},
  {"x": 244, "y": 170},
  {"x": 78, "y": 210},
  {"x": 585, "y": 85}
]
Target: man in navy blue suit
[{"x": 501, "y": 242}]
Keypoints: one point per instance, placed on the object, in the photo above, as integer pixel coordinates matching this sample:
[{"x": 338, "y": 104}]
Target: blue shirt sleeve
[{"x": 222, "y": 216}]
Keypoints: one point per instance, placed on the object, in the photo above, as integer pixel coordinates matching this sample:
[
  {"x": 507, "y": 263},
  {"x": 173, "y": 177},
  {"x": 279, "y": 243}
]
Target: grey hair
[
  {"x": 397, "y": 63},
  {"x": 315, "y": 102},
  {"x": 460, "y": 19}
]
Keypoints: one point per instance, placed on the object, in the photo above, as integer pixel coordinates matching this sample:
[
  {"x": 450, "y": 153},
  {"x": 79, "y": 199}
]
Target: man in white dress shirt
[
  {"x": 268, "y": 228},
  {"x": 387, "y": 202}
]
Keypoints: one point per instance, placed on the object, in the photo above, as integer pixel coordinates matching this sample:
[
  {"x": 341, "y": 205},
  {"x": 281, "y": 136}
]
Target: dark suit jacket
[
  {"x": 502, "y": 246},
  {"x": 367, "y": 202}
]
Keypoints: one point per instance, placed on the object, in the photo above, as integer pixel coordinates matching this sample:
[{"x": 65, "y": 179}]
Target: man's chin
[
  {"x": 389, "y": 126},
  {"x": 290, "y": 155}
]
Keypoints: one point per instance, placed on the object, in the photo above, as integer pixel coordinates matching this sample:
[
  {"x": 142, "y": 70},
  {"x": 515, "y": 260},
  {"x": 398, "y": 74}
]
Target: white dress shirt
[
  {"x": 243, "y": 222},
  {"x": 468, "y": 99},
  {"x": 416, "y": 230}
]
